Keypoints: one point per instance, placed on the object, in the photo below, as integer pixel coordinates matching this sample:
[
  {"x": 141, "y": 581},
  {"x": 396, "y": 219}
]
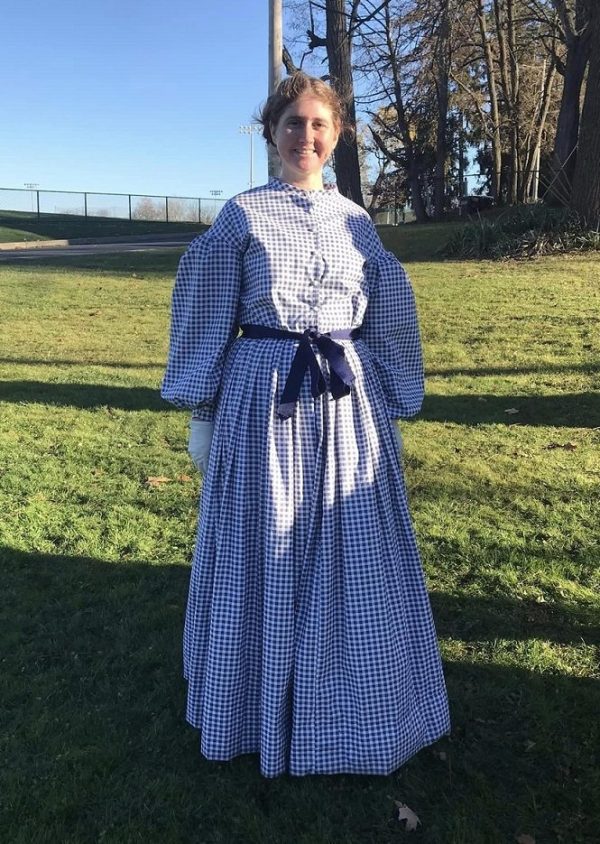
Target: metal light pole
[
  {"x": 275, "y": 62},
  {"x": 215, "y": 195},
  {"x": 250, "y": 129},
  {"x": 32, "y": 186}
]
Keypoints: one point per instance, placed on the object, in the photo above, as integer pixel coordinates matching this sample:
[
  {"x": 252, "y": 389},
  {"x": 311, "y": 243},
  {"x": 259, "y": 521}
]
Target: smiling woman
[
  {"x": 308, "y": 634},
  {"x": 305, "y": 137}
]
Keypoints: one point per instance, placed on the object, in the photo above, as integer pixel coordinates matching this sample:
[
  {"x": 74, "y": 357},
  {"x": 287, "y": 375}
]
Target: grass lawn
[
  {"x": 503, "y": 470},
  {"x": 19, "y": 226},
  {"x": 414, "y": 241}
]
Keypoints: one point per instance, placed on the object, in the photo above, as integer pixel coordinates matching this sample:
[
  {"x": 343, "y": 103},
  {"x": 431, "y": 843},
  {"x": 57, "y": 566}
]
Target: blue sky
[{"x": 132, "y": 96}]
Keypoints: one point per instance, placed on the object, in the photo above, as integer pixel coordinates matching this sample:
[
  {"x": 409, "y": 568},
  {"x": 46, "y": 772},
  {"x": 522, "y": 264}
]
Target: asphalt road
[{"x": 89, "y": 249}]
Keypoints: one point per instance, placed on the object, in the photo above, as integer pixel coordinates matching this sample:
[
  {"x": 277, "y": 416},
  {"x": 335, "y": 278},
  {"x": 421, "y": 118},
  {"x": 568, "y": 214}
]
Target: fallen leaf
[
  {"x": 184, "y": 478},
  {"x": 512, "y": 410},
  {"x": 525, "y": 839},
  {"x": 157, "y": 480},
  {"x": 566, "y": 446},
  {"x": 406, "y": 814}
]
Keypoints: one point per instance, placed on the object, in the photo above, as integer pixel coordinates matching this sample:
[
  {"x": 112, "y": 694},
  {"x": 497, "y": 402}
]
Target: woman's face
[{"x": 305, "y": 137}]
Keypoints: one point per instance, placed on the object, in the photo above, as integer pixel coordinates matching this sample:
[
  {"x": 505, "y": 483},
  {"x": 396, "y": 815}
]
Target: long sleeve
[
  {"x": 204, "y": 313},
  {"x": 391, "y": 331}
]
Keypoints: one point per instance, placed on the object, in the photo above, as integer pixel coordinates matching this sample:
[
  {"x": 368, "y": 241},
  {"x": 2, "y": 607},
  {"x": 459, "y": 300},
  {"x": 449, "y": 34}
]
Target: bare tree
[
  {"x": 396, "y": 127},
  {"x": 340, "y": 23},
  {"x": 506, "y": 75},
  {"x": 146, "y": 209}
]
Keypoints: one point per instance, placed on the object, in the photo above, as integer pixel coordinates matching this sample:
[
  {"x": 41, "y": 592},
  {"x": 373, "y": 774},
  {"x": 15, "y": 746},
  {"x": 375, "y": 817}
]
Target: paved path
[{"x": 35, "y": 254}]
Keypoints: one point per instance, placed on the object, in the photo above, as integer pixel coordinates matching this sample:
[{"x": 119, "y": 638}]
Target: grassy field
[
  {"x": 16, "y": 226},
  {"x": 503, "y": 470},
  {"x": 414, "y": 241}
]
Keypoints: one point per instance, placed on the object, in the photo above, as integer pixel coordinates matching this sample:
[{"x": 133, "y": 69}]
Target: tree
[
  {"x": 586, "y": 182},
  {"x": 339, "y": 28},
  {"x": 400, "y": 119},
  {"x": 506, "y": 79},
  {"x": 146, "y": 209},
  {"x": 440, "y": 71},
  {"x": 572, "y": 20}
]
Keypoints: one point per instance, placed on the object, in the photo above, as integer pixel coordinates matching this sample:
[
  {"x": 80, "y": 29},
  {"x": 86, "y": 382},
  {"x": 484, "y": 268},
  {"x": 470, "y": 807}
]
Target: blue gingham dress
[{"x": 308, "y": 633}]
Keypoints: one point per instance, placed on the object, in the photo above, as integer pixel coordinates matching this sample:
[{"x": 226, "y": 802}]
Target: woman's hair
[{"x": 289, "y": 90}]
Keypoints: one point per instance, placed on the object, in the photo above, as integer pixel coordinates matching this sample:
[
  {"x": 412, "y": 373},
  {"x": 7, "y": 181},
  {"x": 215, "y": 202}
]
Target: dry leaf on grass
[
  {"x": 184, "y": 478},
  {"x": 525, "y": 839},
  {"x": 157, "y": 480},
  {"x": 512, "y": 410},
  {"x": 566, "y": 446},
  {"x": 406, "y": 814}
]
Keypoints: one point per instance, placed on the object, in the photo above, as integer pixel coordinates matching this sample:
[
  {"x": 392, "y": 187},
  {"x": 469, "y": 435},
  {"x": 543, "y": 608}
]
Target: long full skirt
[{"x": 308, "y": 634}]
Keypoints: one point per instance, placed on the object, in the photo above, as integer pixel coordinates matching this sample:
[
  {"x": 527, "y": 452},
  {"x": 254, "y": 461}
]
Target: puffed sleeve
[
  {"x": 391, "y": 331},
  {"x": 204, "y": 313}
]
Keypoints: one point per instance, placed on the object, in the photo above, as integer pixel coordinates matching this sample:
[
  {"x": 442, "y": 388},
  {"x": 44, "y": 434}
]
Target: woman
[{"x": 308, "y": 634}]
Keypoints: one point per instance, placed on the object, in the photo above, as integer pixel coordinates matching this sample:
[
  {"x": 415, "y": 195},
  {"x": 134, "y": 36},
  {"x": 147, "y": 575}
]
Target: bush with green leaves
[{"x": 523, "y": 232}]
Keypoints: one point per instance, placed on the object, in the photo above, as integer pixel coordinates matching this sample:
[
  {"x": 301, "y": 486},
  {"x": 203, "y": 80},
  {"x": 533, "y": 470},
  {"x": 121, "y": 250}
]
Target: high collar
[{"x": 278, "y": 184}]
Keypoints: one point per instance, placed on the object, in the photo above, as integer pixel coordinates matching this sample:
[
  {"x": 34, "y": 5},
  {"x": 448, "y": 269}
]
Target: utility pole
[{"x": 275, "y": 63}]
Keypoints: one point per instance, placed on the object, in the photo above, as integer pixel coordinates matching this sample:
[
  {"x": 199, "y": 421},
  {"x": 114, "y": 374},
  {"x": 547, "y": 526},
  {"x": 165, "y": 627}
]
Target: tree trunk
[
  {"x": 564, "y": 155},
  {"x": 567, "y": 129},
  {"x": 441, "y": 70},
  {"x": 586, "y": 181},
  {"x": 339, "y": 56},
  {"x": 495, "y": 138},
  {"x": 532, "y": 156}
]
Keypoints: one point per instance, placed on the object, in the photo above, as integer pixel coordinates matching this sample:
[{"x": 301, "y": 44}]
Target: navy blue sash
[{"x": 340, "y": 374}]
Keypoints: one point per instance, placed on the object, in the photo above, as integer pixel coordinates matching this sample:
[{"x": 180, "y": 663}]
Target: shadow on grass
[
  {"x": 98, "y": 747},
  {"x": 484, "y": 371},
  {"x": 108, "y": 364},
  {"x": 581, "y": 410},
  {"x": 149, "y": 265},
  {"x": 473, "y": 618},
  {"x": 569, "y": 410},
  {"x": 83, "y": 396},
  {"x": 62, "y": 226}
]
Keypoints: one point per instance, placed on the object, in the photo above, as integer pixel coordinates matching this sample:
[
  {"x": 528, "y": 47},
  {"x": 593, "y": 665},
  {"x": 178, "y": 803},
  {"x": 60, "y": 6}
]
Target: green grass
[
  {"x": 95, "y": 564},
  {"x": 22, "y": 226}
]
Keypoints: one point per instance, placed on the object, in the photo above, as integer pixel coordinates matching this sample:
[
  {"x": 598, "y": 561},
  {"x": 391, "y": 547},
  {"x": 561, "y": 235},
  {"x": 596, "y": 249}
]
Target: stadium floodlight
[{"x": 251, "y": 129}]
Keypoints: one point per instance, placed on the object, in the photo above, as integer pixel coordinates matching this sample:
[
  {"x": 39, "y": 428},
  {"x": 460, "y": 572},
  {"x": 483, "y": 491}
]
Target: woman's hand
[
  {"x": 199, "y": 443},
  {"x": 399, "y": 438}
]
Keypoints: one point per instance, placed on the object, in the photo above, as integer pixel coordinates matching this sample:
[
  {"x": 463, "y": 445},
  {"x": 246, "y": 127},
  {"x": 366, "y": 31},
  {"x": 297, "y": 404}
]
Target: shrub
[{"x": 523, "y": 232}]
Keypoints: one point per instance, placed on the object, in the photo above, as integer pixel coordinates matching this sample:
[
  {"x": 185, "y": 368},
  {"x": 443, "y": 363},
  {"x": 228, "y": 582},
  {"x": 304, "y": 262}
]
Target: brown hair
[{"x": 289, "y": 90}]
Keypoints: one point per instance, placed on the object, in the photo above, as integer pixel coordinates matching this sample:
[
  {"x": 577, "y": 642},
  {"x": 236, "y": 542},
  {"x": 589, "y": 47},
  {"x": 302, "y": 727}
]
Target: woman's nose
[{"x": 306, "y": 132}]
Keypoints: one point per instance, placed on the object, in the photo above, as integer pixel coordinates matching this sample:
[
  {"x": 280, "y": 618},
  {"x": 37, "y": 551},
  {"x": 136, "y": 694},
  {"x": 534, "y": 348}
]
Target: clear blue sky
[{"x": 132, "y": 96}]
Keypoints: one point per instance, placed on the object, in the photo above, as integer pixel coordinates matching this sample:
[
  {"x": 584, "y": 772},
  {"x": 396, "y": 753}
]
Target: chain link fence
[{"x": 125, "y": 206}]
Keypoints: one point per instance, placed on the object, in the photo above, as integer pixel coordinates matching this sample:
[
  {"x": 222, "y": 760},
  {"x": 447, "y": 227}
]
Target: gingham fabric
[{"x": 308, "y": 634}]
